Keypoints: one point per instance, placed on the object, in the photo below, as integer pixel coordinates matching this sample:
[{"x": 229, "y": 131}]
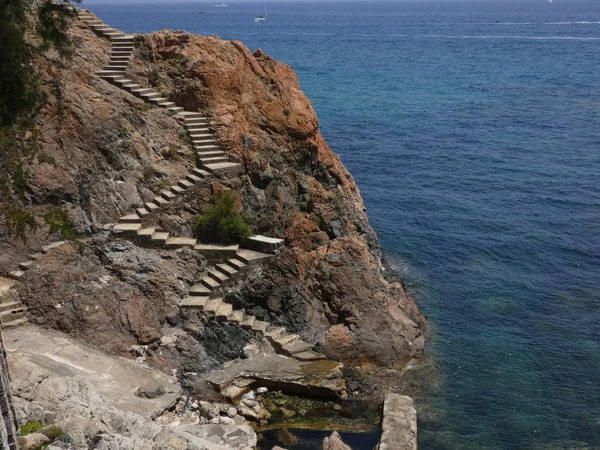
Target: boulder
[
  {"x": 151, "y": 389},
  {"x": 334, "y": 442},
  {"x": 32, "y": 441}
]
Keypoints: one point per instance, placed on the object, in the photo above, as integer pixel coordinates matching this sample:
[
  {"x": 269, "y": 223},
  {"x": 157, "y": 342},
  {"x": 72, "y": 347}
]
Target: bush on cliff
[{"x": 222, "y": 222}]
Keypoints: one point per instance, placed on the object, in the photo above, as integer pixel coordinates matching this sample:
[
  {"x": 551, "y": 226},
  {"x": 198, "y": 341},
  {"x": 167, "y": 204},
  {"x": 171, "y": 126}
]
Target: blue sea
[{"x": 473, "y": 132}]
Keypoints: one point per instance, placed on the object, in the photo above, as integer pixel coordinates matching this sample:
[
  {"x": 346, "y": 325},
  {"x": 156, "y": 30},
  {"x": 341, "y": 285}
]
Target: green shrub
[
  {"x": 17, "y": 221},
  {"x": 31, "y": 427},
  {"x": 222, "y": 222},
  {"x": 54, "y": 433}
]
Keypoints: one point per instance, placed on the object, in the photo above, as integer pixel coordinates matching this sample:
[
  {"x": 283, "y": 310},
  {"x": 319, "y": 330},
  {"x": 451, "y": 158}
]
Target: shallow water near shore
[{"x": 472, "y": 132}]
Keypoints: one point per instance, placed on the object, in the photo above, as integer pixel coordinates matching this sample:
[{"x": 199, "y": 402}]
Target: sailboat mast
[{"x": 264, "y": 9}]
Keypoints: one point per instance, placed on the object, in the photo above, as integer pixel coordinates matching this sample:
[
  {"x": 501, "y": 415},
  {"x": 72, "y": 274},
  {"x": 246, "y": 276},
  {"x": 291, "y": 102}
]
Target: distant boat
[
  {"x": 549, "y": 1},
  {"x": 263, "y": 16},
  {"x": 223, "y": 5}
]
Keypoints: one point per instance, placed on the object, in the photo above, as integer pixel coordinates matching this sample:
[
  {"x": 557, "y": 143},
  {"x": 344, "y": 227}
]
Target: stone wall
[{"x": 8, "y": 424}]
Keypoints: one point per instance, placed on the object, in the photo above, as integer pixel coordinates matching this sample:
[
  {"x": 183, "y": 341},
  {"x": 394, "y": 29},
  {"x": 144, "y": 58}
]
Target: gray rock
[
  {"x": 32, "y": 441},
  {"x": 231, "y": 411},
  {"x": 277, "y": 447},
  {"x": 262, "y": 390},
  {"x": 151, "y": 389},
  {"x": 248, "y": 398},
  {"x": 334, "y": 442},
  {"x": 226, "y": 420}
]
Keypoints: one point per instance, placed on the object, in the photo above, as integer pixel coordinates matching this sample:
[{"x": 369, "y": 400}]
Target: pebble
[{"x": 262, "y": 390}]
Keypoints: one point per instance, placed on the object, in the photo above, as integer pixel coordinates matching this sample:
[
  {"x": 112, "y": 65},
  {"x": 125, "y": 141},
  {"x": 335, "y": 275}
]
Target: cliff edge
[{"x": 106, "y": 151}]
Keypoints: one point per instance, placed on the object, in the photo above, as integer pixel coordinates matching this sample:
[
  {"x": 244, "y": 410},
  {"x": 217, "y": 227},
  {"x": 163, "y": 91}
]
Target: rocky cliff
[{"x": 103, "y": 152}]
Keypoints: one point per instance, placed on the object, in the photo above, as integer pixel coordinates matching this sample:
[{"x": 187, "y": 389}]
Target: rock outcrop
[{"x": 105, "y": 152}]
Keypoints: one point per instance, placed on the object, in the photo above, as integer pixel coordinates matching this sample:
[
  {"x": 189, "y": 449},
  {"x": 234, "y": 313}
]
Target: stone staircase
[
  {"x": 211, "y": 157},
  {"x": 12, "y": 312}
]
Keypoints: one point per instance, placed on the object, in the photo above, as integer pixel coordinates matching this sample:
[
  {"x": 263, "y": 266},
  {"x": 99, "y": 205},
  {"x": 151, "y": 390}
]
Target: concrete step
[
  {"x": 151, "y": 206},
  {"x": 227, "y": 270},
  {"x": 274, "y": 332},
  {"x": 15, "y": 323},
  {"x": 150, "y": 95},
  {"x": 200, "y": 173},
  {"x": 160, "y": 201},
  {"x": 168, "y": 195},
  {"x": 108, "y": 73},
  {"x": 13, "y": 314},
  {"x": 127, "y": 228},
  {"x": 194, "y": 302},
  {"x": 237, "y": 264},
  {"x": 177, "y": 189},
  {"x": 140, "y": 91},
  {"x": 193, "y": 178},
  {"x": 225, "y": 167},
  {"x": 206, "y": 147},
  {"x": 185, "y": 184},
  {"x": 12, "y": 305},
  {"x": 159, "y": 237},
  {"x": 210, "y": 283},
  {"x": 213, "y": 159},
  {"x": 236, "y": 316},
  {"x": 146, "y": 233},
  {"x": 125, "y": 38},
  {"x": 200, "y": 136},
  {"x": 165, "y": 104},
  {"x": 259, "y": 325},
  {"x": 175, "y": 109},
  {"x": 247, "y": 322},
  {"x": 118, "y": 64},
  {"x": 131, "y": 218},
  {"x": 199, "y": 290},
  {"x": 251, "y": 257},
  {"x": 296, "y": 346},
  {"x": 130, "y": 86},
  {"x": 218, "y": 276},
  {"x": 121, "y": 54},
  {"x": 142, "y": 212},
  {"x": 212, "y": 306},
  {"x": 223, "y": 311},
  {"x": 178, "y": 242},
  {"x": 197, "y": 128},
  {"x": 192, "y": 115},
  {"x": 212, "y": 154},
  {"x": 217, "y": 252},
  {"x": 263, "y": 244}
]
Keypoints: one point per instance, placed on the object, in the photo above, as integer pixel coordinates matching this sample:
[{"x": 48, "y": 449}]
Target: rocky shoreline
[{"x": 155, "y": 340}]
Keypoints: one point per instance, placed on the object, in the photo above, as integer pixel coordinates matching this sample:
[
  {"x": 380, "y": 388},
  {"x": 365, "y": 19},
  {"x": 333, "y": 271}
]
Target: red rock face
[
  {"x": 112, "y": 151},
  {"x": 295, "y": 187}
]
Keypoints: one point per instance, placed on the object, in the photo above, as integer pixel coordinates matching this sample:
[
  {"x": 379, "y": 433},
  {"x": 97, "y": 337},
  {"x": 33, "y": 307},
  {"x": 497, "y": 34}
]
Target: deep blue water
[{"x": 473, "y": 132}]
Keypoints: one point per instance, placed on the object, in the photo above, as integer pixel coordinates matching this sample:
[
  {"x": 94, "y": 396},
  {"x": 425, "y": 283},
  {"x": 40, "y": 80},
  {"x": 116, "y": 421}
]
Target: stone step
[
  {"x": 197, "y": 128},
  {"x": 150, "y": 95},
  {"x": 142, "y": 212},
  {"x": 210, "y": 283},
  {"x": 180, "y": 242},
  {"x": 200, "y": 173},
  {"x": 211, "y": 153},
  {"x": 274, "y": 332},
  {"x": 297, "y": 346},
  {"x": 111, "y": 33},
  {"x": 218, "y": 276},
  {"x": 236, "y": 316},
  {"x": 129, "y": 86},
  {"x": 130, "y": 218},
  {"x": 259, "y": 325},
  {"x": 213, "y": 159},
  {"x": 159, "y": 237},
  {"x": 213, "y": 305},
  {"x": 52, "y": 246},
  {"x": 247, "y": 322},
  {"x": 158, "y": 100},
  {"x": 175, "y": 109},
  {"x": 165, "y": 104},
  {"x": 12, "y": 305},
  {"x": 217, "y": 252},
  {"x": 192, "y": 115},
  {"x": 107, "y": 73},
  {"x": 200, "y": 143},
  {"x": 127, "y": 228},
  {"x": 125, "y": 38},
  {"x": 283, "y": 339},
  {"x": 168, "y": 195},
  {"x": 177, "y": 189},
  {"x": 100, "y": 26},
  {"x": 205, "y": 147},
  {"x": 112, "y": 64},
  {"x": 15, "y": 323},
  {"x": 227, "y": 270},
  {"x": 185, "y": 184},
  {"x": 237, "y": 264},
  {"x": 119, "y": 57},
  {"x": 151, "y": 206},
  {"x": 160, "y": 201},
  {"x": 194, "y": 302},
  {"x": 13, "y": 314},
  {"x": 199, "y": 290},
  {"x": 193, "y": 178},
  {"x": 200, "y": 136},
  {"x": 25, "y": 265},
  {"x": 140, "y": 91},
  {"x": 223, "y": 311},
  {"x": 146, "y": 233},
  {"x": 121, "y": 54},
  {"x": 264, "y": 244},
  {"x": 251, "y": 257}
]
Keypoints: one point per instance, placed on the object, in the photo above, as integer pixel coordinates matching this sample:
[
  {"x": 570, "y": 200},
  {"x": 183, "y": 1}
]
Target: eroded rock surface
[{"x": 399, "y": 425}]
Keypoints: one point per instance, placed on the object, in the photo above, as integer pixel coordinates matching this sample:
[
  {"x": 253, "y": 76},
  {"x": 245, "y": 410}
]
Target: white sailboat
[{"x": 263, "y": 16}]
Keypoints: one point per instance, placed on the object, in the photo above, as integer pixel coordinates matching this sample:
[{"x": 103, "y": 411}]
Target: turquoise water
[{"x": 472, "y": 130}]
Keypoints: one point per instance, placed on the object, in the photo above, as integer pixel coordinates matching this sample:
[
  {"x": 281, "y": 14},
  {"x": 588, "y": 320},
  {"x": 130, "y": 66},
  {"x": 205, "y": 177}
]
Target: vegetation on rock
[
  {"x": 27, "y": 27},
  {"x": 223, "y": 222},
  {"x": 31, "y": 427}
]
